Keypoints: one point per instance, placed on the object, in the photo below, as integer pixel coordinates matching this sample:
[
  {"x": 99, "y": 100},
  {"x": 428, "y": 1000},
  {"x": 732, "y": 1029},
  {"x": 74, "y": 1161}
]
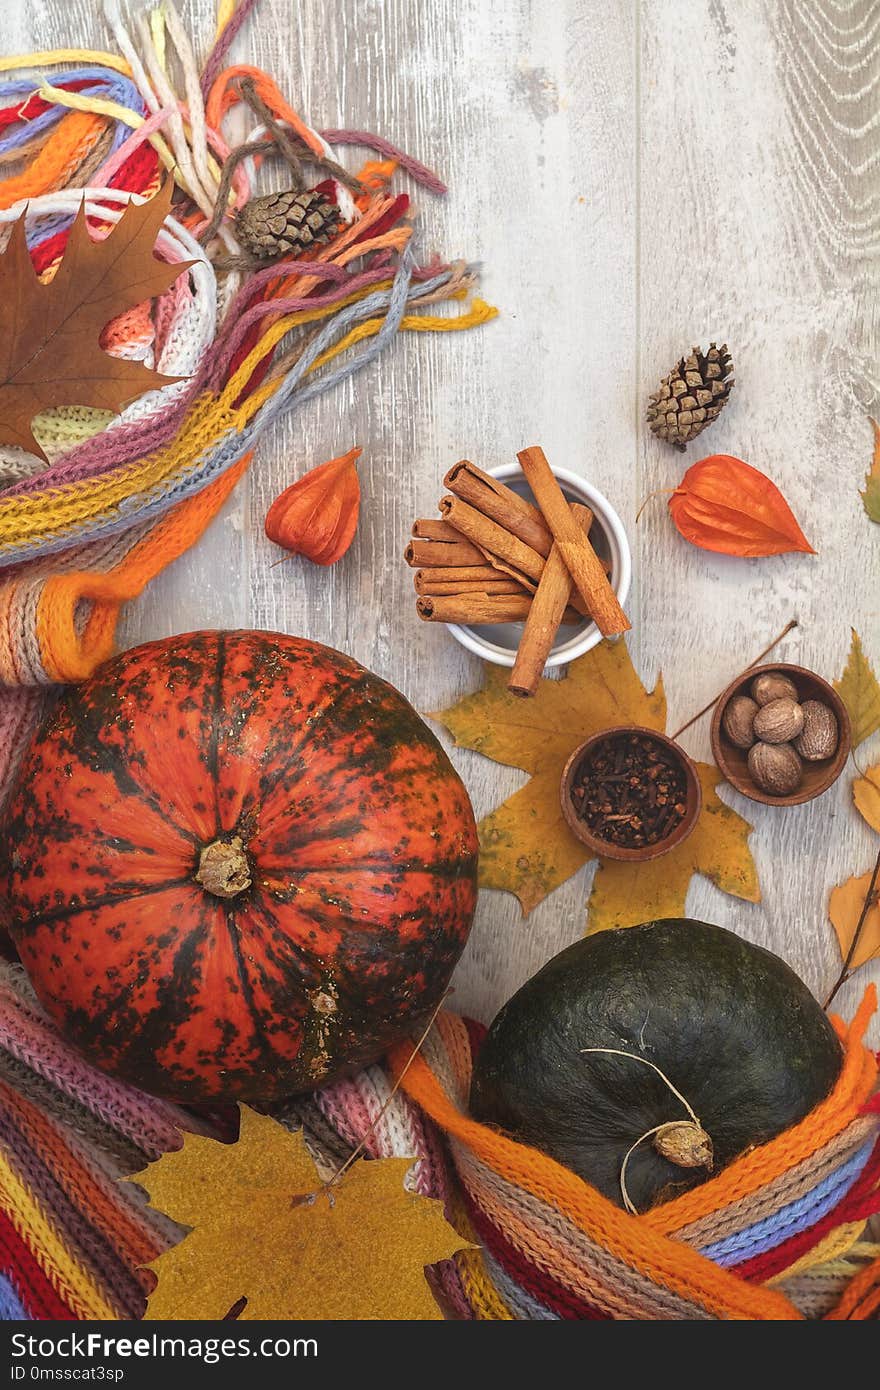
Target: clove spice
[{"x": 630, "y": 790}]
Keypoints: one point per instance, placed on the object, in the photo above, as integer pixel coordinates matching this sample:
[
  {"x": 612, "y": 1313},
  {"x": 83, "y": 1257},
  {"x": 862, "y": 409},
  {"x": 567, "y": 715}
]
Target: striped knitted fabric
[
  {"x": 124, "y": 495},
  {"x": 73, "y": 1237},
  {"x": 779, "y": 1234}
]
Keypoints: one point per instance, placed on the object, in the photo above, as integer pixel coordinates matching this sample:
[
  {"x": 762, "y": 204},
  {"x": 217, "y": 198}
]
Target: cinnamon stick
[
  {"x": 482, "y": 531},
  {"x": 463, "y": 574},
  {"x": 432, "y": 529},
  {"x": 479, "y": 489},
  {"x": 502, "y": 548},
  {"x": 503, "y": 505},
  {"x": 580, "y": 558},
  {"x": 478, "y": 608},
  {"x": 544, "y": 616},
  {"x": 445, "y": 553},
  {"x": 513, "y": 555},
  {"x": 497, "y": 585},
  {"x": 500, "y": 566}
]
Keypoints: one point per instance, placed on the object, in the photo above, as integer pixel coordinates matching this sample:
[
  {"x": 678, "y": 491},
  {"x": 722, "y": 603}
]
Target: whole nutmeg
[
  {"x": 737, "y": 720},
  {"x": 818, "y": 738},
  {"x": 779, "y": 722},
  {"x": 772, "y": 685},
  {"x": 775, "y": 767}
]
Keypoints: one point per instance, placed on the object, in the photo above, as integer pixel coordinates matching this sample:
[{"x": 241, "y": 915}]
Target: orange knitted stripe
[
  {"x": 674, "y": 1266},
  {"x": 853, "y": 1087},
  {"x": 861, "y": 1297},
  {"x": 67, "y": 656},
  {"x": 221, "y": 98},
  {"x": 869, "y": 1306},
  {"x": 72, "y": 139},
  {"x": 134, "y": 325}
]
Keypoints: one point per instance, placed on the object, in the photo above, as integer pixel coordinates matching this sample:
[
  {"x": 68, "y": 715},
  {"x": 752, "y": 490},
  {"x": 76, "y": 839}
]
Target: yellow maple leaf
[
  {"x": 866, "y": 795},
  {"x": 871, "y": 495},
  {"x": 845, "y": 909},
  {"x": 527, "y": 849},
  {"x": 265, "y": 1228},
  {"x": 860, "y": 692}
]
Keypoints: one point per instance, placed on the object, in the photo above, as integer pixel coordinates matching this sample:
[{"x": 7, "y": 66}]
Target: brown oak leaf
[
  {"x": 270, "y": 1240},
  {"x": 527, "y": 849},
  {"x": 50, "y": 353}
]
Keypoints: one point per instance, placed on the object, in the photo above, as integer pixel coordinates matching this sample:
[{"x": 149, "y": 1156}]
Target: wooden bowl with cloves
[
  {"x": 781, "y": 735},
  {"x": 630, "y": 793}
]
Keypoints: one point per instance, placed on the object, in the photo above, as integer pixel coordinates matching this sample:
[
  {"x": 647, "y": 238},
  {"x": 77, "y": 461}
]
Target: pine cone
[
  {"x": 693, "y": 394},
  {"x": 282, "y": 223}
]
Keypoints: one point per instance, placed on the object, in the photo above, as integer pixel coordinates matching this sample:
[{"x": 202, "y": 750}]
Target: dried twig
[
  {"x": 395, "y": 1088},
  {"x": 870, "y": 901},
  {"x": 760, "y": 657}
]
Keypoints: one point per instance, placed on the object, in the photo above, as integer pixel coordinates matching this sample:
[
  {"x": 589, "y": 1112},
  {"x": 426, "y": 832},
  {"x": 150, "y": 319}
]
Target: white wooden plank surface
[{"x": 635, "y": 177}]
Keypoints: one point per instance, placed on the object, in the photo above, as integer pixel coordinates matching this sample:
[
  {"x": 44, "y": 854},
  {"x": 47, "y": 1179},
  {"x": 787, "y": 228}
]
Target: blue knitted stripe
[
  {"x": 11, "y": 1307},
  {"x": 527, "y": 1308},
  {"x": 795, "y": 1217}
]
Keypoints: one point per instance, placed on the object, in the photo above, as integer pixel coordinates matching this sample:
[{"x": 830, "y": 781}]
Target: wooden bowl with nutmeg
[{"x": 781, "y": 735}]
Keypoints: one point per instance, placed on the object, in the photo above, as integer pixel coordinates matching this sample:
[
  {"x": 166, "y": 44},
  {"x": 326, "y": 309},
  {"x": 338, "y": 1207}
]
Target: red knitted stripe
[
  {"x": 37, "y": 1295},
  {"x": 47, "y": 252},
  {"x": 861, "y": 1202},
  {"x": 138, "y": 171},
  {"x": 135, "y": 174},
  {"x": 385, "y": 222},
  {"x": 535, "y": 1282},
  {"x": 388, "y": 219}
]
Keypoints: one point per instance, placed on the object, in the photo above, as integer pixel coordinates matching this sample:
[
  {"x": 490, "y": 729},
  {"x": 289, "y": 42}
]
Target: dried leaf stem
[
  {"x": 760, "y": 657},
  {"x": 870, "y": 901},
  {"x": 235, "y": 1310},
  {"x": 355, "y": 1153},
  {"x": 658, "y": 492}
]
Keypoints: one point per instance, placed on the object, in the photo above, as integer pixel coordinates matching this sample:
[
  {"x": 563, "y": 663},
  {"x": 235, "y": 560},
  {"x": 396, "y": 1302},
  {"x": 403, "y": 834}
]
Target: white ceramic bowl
[{"x": 497, "y": 642}]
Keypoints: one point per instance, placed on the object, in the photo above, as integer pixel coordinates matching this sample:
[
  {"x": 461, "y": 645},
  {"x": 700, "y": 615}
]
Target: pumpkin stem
[
  {"x": 224, "y": 868},
  {"x": 683, "y": 1142},
  {"x": 686, "y": 1143}
]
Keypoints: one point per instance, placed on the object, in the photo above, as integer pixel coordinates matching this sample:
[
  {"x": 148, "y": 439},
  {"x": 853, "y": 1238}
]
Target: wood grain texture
[{"x": 636, "y": 177}]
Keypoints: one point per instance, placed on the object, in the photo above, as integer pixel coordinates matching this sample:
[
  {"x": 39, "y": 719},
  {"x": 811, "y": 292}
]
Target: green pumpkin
[{"x": 730, "y": 1026}]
